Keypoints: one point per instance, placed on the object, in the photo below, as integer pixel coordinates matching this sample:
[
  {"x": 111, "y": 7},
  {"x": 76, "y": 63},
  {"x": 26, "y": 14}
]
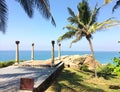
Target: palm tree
[
  {"x": 29, "y": 6},
  {"x": 84, "y": 24}
]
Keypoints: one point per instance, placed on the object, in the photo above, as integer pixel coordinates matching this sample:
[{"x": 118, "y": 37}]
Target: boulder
[{"x": 78, "y": 60}]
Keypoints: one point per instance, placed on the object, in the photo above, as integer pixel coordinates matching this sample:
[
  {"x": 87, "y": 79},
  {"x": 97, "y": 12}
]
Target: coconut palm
[
  {"x": 29, "y": 6},
  {"x": 84, "y": 24}
]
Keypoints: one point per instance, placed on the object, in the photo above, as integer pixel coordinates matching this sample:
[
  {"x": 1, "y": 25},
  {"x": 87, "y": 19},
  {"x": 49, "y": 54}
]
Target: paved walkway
[{"x": 10, "y": 76}]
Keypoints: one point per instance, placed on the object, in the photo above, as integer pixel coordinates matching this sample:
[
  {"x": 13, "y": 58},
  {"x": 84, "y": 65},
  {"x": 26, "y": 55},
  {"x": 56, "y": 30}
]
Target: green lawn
[{"x": 73, "y": 80}]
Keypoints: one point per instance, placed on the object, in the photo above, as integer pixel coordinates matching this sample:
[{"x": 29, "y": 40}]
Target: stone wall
[{"x": 42, "y": 87}]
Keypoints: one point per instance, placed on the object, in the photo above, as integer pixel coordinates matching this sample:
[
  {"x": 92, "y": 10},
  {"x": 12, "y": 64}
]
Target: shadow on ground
[{"x": 71, "y": 82}]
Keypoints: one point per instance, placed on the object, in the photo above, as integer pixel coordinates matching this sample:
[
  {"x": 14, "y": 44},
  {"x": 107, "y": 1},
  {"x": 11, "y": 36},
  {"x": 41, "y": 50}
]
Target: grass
[{"x": 73, "y": 80}]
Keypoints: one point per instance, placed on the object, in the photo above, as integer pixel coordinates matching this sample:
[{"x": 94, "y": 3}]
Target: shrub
[
  {"x": 105, "y": 70},
  {"x": 5, "y": 64},
  {"x": 116, "y": 61},
  {"x": 8, "y": 63},
  {"x": 84, "y": 67},
  {"x": 0, "y": 64}
]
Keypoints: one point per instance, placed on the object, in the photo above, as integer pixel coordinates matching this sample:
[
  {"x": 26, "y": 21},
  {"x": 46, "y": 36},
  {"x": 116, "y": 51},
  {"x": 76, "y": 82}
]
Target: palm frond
[
  {"x": 76, "y": 40},
  {"x": 71, "y": 27},
  {"x": 107, "y": 1},
  {"x": 3, "y": 15},
  {"x": 28, "y": 6},
  {"x": 93, "y": 27},
  {"x": 84, "y": 11},
  {"x": 44, "y": 8},
  {"x": 94, "y": 14},
  {"x": 53, "y": 21},
  {"x": 66, "y": 36},
  {"x": 81, "y": 24},
  {"x": 108, "y": 24},
  {"x": 73, "y": 20},
  {"x": 116, "y": 5},
  {"x": 71, "y": 12}
]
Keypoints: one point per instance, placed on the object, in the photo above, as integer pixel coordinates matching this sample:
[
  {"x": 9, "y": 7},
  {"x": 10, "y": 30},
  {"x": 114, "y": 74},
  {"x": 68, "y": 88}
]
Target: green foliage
[
  {"x": 8, "y": 63},
  {"x": 5, "y": 64},
  {"x": 84, "y": 67},
  {"x": 105, "y": 70},
  {"x": 116, "y": 61}
]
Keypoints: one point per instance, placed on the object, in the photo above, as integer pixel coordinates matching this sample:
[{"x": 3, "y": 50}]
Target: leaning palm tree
[
  {"x": 84, "y": 24},
  {"x": 29, "y": 6}
]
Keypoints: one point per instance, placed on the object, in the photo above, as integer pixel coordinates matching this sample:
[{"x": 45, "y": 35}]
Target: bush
[
  {"x": 5, "y": 64},
  {"x": 116, "y": 62},
  {"x": 105, "y": 70},
  {"x": 8, "y": 63},
  {"x": 0, "y": 64},
  {"x": 84, "y": 67}
]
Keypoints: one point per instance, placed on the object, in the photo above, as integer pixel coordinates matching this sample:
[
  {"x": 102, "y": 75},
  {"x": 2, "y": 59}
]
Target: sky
[{"x": 41, "y": 32}]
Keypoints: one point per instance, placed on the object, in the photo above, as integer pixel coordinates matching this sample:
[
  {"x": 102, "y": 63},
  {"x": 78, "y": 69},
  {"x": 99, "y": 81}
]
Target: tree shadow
[
  {"x": 26, "y": 71},
  {"x": 13, "y": 77},
  {"x": 74, "y": 83},
  {"x": 115, "y": 87},
  {"x": 106, "y": 76}
]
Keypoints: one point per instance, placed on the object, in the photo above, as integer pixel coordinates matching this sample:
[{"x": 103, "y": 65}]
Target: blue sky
[{"x": 40, "y": 31}]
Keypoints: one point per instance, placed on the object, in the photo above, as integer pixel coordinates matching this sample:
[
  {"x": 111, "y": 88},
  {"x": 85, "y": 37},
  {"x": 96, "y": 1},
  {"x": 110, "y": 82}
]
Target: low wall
[{"x": 43, "y": 86}]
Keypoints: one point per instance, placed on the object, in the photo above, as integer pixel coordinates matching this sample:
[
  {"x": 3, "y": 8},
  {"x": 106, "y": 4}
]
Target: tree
[
  {"x": 29, "y": 6},
  {"x": 84, "y": 24},
  {"x": 115, "y": 6}
]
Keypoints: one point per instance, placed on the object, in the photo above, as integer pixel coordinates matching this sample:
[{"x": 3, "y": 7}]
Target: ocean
[{"x": 102, "y": 56}]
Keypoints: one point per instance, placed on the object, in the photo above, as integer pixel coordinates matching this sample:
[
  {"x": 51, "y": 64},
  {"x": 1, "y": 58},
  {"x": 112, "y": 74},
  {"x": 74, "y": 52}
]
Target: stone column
[
  {"x": 32, "y": 54},
  {"x": 52, "y": 53},
  {"x": 17, "y": 51},
  {"x": 59, "y": 51}
]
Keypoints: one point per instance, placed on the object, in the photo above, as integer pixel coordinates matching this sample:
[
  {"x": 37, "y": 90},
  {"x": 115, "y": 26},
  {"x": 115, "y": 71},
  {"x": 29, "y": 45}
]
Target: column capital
[
  {"x": 59, "y": 44},
  {"x": 32, "y": 44},
  {"x": 53, "y": 42},
  {"x": 17, "y": 42}
]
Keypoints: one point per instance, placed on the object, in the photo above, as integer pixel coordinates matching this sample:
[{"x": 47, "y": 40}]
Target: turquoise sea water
[{"x": 102, "y": 57}]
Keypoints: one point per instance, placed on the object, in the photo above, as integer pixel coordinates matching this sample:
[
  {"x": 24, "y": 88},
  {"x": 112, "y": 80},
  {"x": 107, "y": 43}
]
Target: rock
[{"x": 77, "y": 61}]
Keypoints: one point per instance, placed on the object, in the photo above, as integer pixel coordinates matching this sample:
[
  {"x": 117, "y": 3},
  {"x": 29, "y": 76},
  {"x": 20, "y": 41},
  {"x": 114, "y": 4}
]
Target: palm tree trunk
[{"x": 91, "y": 47}]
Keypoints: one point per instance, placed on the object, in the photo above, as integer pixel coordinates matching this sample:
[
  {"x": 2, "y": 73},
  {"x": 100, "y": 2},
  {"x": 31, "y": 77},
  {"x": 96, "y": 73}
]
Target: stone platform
[{"x": 10, "y": 76}]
